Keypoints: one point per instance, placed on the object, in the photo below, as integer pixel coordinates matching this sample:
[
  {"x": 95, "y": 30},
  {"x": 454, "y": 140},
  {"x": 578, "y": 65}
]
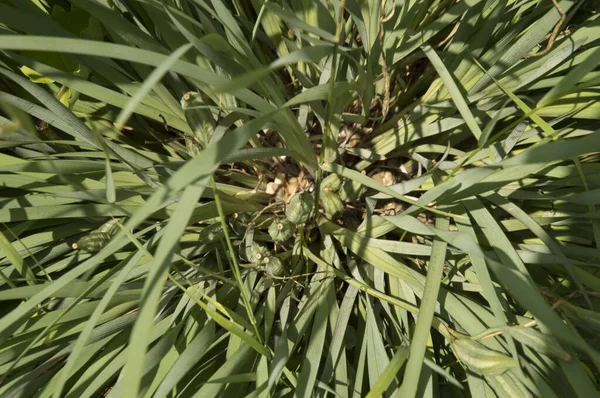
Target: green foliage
[{"x": 308, "y": 198}]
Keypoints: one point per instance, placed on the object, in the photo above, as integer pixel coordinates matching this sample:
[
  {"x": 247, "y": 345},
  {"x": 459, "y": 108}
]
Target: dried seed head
[
  {"x": 258, "y": 256},
  {"x": 266, "y": 260},
  {"x": 272, "y": 188},
  {"x": 384, "y": 177},
  {"x": 280, "y": 226},
  {"x": 187, "y": 96}
]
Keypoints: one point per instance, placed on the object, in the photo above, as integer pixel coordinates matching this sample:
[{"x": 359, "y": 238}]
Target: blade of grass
[
  {"x": 156, "y": 75},
  {"x": 453, "y": 89},
  {"x": 312, "y": 360},
  {"x": 84, "y": 336},
  {"x": 369, "y": 182},
  {"x": 78, "y": 128},
  {"x": 140, "y": 336},
  {"x": 568, "y": 83},
  {"x": 233, "y": 262},
  {"x": 200, "y": 166},
  {"x": 418, "y": 344},
  {"x": 516, "y": 284}
]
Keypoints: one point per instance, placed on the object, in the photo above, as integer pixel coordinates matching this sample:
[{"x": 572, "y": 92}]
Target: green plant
[{"x": 462, "y": 157}]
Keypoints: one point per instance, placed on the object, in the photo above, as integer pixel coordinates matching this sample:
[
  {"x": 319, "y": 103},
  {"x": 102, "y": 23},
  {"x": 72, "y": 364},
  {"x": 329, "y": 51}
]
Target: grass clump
[{"x": 311, "y": 198}]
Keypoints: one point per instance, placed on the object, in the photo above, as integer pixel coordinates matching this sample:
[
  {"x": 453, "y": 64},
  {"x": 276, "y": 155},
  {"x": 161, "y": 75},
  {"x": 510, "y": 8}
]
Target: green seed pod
[
  {"x": 281, "y": 230},
  {"x": 506, "y": 385},
  {"x": 257, "y": 253},
  {"x": 110, "y": 227},
  {"x": 93, "y": 242},
  {"x": 273, "y": 267},
  {"x": 351, "y": 191},
  {"x": 332, "y": 204},
  {"x": 582, "y": 317},
  {"x": 540, "y": 342},
  {"x": 200, "y": 120},
  {"x": 331, "y": 183},
  {"x": 239, "y": 222},
  {"x": 212, "y": 233},
  {"x": 300, "y": 207},
  {"x": 193, "y": 146},
  {"x": 481, "y": 359}
]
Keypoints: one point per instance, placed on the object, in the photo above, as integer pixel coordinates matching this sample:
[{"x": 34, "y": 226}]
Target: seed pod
[
  {"x": 481, "y": 359},
  {"x": 110, "y": 227},
  {"x": 587, "y": 319},
  {"x": 273, "y": 266},
  {"x": 199, "y": 118},
  {"x": 93, "y": 242},
  {"x": 281, "y": 230},
  {"x": 332, "y": 204},
  {"x": 331, "y": 183},
  {"x": 538, "y": 341},
  {"x": 506, "y": 385},
  {"x": 193, "y": 146},
  {"x": 212, "y": 233},
  {"x": 300, "y": 207},
  {"x": 351, "y": 191},
  {"x": 239, "y": 222},
  {"x": 257, "y": 253}
]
